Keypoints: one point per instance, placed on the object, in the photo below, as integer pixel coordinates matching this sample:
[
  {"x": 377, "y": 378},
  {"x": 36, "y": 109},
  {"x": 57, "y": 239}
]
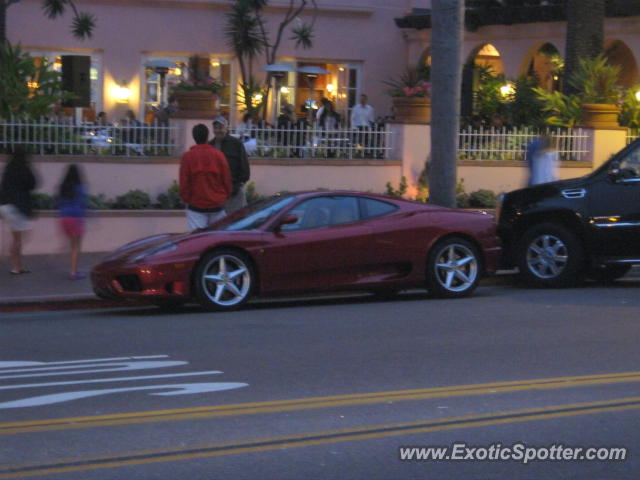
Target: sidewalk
[{"x": 48, "y": 281}]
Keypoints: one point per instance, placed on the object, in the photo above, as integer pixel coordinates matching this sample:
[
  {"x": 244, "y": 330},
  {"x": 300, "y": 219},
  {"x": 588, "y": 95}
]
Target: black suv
[{"x": 556, "y": 233}]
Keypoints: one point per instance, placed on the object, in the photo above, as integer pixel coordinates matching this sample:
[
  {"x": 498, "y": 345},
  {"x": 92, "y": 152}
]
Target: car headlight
[{"x": 157, "y": 250}]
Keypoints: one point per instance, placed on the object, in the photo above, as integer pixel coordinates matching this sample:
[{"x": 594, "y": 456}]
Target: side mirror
[
  {"x": 614, "y": 170},
  {"x": 288, "y": 219}
]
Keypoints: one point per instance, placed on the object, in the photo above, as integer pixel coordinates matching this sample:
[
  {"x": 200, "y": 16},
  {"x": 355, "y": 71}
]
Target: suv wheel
[{"x": 549, "y": 255}]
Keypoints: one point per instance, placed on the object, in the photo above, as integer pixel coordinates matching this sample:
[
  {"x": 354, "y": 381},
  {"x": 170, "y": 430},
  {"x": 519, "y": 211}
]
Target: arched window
[{"x": 618, "y": 53}]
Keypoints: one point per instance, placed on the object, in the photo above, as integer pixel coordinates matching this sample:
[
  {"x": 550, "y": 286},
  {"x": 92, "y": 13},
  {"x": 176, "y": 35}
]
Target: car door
[
  {"x": 326, "y": 249},
  {"x": 614, "y": 203}
]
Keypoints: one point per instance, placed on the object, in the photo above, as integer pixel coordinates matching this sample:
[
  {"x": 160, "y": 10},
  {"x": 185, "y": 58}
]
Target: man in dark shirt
[{"x": 233, "y": 149}]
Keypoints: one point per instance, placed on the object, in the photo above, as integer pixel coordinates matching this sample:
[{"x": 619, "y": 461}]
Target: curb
[{"x": 90, "y": 301}]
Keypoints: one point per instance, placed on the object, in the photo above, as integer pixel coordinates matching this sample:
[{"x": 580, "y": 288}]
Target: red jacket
[{"x": 205, "y": 180}]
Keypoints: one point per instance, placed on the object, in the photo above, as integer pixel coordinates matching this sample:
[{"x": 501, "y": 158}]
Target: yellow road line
[
  {"x": 316, "y": 402},
  {"x": 318, "y": 438}
]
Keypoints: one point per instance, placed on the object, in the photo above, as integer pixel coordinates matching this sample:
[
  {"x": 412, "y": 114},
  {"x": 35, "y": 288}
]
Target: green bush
[
  {"x": 99, "y": 202},
  {"x": 252, "y": 195},
  {"x": 44, "y": 201},
  {"x": 171, "y": 199},
  {"x": 483, "y": 198},
  {"x": 133, "y": 200},
  {"x": 402, "y": 188}
]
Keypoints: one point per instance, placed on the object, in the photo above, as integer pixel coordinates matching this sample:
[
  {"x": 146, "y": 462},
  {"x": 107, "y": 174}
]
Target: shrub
[
  {"x": 483, "y": 198},
  {"x": 171, "y": 199},
  {"x": 252, "y": 195},
  {"x": 44, "y": 201},
  {"x": 133, "y": 199},
  {"x": 99, "y": 202},
  {"x": 402, "y": 188}
]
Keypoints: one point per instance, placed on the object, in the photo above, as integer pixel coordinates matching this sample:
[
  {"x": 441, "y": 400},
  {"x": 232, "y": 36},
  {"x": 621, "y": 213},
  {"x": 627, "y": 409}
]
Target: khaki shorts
[{"x": 16, "y": 220}]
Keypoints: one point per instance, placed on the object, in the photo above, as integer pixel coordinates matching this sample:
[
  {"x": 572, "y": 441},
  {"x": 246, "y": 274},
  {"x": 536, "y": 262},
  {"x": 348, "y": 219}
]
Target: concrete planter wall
[
  {"x": 106, "y": 230},
  {"x": 600, "y": 115}
]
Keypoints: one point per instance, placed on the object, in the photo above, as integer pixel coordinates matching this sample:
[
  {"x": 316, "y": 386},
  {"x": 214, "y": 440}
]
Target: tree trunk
[
  {"x": 447, "y": 17},
  {"x": 3, "y": 21},
  {"x": 585, "y": 35}
]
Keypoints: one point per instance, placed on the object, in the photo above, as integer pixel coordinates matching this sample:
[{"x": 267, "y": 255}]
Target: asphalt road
[{"x": 326, "y": 389}]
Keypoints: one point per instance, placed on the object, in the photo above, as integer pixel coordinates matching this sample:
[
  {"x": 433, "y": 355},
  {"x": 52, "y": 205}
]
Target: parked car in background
[
  {"x": 308, "y": 242},
  {"x": 557, "y": 233}
]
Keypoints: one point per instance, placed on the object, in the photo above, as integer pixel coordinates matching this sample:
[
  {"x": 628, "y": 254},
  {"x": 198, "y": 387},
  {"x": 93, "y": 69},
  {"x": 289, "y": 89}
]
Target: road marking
[
  {"x": 107, "y": 380},
  {"x": 318, "y": 438},
  {"x": 316, "y": 402},
  {"x": 182, "y": 389},
  {"x": 11, "y": 370}
]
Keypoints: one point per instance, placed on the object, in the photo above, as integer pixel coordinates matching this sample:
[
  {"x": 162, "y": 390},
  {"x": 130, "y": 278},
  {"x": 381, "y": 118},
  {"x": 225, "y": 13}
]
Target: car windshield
[{"x": 254, "y": 215}]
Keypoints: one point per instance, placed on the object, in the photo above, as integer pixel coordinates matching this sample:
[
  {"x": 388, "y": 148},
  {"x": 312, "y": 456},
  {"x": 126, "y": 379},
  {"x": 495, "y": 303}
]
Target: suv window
[{"x": 630, "y": 164}]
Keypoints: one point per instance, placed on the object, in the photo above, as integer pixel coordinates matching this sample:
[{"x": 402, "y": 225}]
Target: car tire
[
  {"x": 453, "y": 268},
  {"x": 550, "y": 255},
  {"x": 223, "y": 280},
  {"x": 608, "y": 273}
]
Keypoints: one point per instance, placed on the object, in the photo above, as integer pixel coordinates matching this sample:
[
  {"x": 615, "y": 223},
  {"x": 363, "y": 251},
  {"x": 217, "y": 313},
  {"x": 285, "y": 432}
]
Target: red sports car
[{"x": 307, "y": 242}]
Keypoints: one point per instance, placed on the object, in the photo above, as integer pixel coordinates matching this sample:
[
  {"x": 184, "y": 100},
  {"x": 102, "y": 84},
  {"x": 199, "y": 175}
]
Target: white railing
[
  {"x": 511, "y": 144},
  {"x": 632, "y": 134},
  {"x": 51, "y": 137},
  {"x": 314, "y": 142}
]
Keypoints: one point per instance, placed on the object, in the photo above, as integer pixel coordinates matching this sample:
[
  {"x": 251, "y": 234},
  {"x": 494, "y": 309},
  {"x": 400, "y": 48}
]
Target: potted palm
[
  {"x": 600, "y": 94},
  {"x": 410, "y": 94},
  {"x": 197, "y": 95}
]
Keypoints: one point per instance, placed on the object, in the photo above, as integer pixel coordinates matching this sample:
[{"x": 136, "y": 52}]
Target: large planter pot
[
  {"x": 412, "y": 109},
  {"x": 196, "y": 104},
  {"x": 600, "y": 115}
]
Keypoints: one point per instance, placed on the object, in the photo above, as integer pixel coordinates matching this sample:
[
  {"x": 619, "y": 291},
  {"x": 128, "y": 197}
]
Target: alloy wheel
[
  {"x": 225, "y": 280},
  {"x": 547, "y": 256}
]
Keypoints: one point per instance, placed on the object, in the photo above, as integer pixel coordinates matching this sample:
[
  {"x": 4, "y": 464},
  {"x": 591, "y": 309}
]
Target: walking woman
[
  {"x": 16, "y": 205},
  {"x": 72, "y": 199}
]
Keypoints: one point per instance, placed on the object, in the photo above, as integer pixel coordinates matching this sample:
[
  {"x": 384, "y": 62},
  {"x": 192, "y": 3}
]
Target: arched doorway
[
  {"x": 486, "y": 57},
  {"x": 544, "y": 62},
  {"x": 618, "y": 53}
]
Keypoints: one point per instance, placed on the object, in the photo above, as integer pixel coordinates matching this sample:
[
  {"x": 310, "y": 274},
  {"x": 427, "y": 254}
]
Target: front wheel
[
  {"x": 453, "y": 268},
  {"x": 223, "y": 280},
  {"x": 549, "y": 255}
]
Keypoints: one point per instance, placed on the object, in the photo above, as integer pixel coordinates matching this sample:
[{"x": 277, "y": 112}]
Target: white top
[
  {"x": 544, "y": 167},
  {"x": 362, "y": 116}
]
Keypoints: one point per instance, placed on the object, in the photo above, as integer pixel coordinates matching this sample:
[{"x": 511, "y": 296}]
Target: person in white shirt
[
  {"x": 544, "y": 165},
  {"x": 363, "y": 118},
  {"x": 362, "y": 115}
]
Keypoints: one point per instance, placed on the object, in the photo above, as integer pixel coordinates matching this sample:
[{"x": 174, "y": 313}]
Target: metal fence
[
  {"x": 313, "y": 142},
  {"x": 47, "y": 137},
  {"x": 511, "y": 144},
  {"x": 632, "y": 134}
]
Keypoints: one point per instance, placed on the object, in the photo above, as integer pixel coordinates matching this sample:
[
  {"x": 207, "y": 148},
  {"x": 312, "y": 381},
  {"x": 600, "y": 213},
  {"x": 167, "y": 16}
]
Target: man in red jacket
[{"x": 205, "y": 181}]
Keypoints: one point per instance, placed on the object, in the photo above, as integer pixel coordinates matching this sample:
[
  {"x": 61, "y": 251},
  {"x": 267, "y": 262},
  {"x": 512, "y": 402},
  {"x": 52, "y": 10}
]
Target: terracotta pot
[
  {"x": 599, "y": 115},
  {"x": 412, "y": 109},
  {"x": 196, "y": 104}
]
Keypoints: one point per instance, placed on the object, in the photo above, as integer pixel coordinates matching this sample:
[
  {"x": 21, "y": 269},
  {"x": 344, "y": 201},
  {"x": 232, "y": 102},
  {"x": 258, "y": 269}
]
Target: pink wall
[{"x": 346, "y": 31}]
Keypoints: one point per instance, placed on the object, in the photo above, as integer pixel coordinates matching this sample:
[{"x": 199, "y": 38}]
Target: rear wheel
[
  {"x": 453, "y": 268},
  {"x": 223, "y": 280},
  {"x": 549, "y": 255}
]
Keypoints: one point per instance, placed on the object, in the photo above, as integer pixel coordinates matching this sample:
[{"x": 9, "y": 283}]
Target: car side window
[
  {"x": 376, "y": 208},
  {"x": 323, "y": 212},
  {"x": 630, "y": 164}
]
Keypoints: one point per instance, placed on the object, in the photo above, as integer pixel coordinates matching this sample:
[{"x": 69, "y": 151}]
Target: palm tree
[
  {"x": 447, "y": 17},
  {"x": 585, "y": 35},
  {"x": 81, "y": 26},
  {"x": 247, "y": 35}
]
